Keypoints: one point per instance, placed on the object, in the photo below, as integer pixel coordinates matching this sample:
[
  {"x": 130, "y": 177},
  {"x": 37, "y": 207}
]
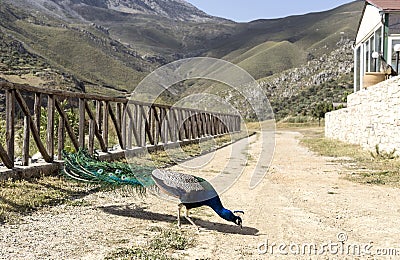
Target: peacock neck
[{"x": 224, "y": 213}]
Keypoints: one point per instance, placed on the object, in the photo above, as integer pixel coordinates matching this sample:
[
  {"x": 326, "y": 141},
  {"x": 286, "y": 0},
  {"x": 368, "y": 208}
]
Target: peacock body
[{"x": 192, "y": 191}]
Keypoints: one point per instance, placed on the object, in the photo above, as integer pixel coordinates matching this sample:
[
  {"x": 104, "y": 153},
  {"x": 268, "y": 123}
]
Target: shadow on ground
[{"x": 133, "y": 211}]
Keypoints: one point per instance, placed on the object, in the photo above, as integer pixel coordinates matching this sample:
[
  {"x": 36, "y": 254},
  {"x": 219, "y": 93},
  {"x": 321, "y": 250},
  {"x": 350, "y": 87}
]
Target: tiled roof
[{"x": 386, "y": 5}]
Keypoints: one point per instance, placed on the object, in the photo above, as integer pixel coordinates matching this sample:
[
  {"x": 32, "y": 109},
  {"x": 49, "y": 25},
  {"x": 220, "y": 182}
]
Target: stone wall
[{"x": 372, "y": 117}]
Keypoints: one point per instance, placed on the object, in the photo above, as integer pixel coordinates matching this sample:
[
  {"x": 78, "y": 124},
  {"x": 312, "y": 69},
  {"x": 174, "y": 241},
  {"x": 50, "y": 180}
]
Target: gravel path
[{"x": 303, "y": 199}]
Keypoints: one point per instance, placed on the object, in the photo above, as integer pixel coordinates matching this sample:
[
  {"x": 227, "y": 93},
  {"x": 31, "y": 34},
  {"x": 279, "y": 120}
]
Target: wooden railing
[{"x": 135, "y": 124}]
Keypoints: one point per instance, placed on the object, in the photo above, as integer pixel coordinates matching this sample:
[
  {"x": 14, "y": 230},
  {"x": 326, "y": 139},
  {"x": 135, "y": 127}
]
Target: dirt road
[{"x": 302, "y": 209}]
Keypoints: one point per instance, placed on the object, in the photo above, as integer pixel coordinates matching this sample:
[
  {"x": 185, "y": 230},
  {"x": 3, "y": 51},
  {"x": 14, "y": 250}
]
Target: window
[
  {"x": 363, "y": 56},
  {"x": 392, "y": 42}
]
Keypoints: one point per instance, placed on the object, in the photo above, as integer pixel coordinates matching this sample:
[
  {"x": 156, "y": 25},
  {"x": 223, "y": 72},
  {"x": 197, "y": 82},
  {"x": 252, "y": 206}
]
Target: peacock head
[{"x": 238, "y": 220}]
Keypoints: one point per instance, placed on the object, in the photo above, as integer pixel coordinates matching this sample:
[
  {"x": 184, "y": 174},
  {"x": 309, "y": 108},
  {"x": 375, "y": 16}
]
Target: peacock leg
[
  {"x": 190, "y": 220},
  {"x": 180, "y": 205}
]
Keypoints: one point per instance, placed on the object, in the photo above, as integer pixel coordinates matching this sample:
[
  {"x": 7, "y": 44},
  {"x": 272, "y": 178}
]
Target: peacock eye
[
  {"x": 100, "y": 171},
  {"x": 123, "y": 177},
  {"x": 118, "y": 171}
]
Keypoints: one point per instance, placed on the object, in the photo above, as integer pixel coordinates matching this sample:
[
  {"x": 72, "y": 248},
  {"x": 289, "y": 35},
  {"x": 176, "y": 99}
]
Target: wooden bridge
[{"x": 56, "y": 119}]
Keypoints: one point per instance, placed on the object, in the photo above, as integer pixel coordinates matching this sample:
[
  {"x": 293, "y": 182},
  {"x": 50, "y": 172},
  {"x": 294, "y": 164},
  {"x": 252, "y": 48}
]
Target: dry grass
[
  {"x": 161, "y": 246},
  {"x": 22, "y": 197},
  {"x": 364, "y": 166}
]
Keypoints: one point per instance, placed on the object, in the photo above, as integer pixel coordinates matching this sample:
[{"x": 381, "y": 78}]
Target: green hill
[{"x": 93, "y": 47}]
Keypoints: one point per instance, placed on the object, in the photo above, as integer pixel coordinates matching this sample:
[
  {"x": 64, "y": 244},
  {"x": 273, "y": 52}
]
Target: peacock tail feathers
[{"x": 82, "y": 166}]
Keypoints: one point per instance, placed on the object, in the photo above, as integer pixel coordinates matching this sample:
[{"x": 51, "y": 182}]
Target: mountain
[
  {"x": 87, "y": 10},
  {"x": 108, "y": 46}
]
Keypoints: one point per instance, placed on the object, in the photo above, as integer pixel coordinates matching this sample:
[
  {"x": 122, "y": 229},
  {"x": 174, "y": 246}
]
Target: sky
[{"x": 248, "y": 10}]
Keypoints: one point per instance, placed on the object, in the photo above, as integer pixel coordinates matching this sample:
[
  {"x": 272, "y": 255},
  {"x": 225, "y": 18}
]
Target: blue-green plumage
[{"x": 191, "y": 190}]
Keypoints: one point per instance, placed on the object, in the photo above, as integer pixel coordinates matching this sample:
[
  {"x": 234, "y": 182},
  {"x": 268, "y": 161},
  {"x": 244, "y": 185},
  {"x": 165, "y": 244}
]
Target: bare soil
[{"x": 303, "y": 200}]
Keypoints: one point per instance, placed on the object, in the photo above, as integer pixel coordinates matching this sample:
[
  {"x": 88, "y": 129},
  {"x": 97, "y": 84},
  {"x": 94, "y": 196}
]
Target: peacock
[
  {"x": 192, "y": 191},
  {"x": 386, "y": 68}
]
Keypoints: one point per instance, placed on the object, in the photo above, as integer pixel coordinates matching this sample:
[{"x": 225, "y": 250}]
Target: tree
[{"x": 320, "y": 109}]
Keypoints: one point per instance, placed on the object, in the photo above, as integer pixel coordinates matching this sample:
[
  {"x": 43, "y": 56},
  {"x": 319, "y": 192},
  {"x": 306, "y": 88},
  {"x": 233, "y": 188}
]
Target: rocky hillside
[
  {"x": 80, "y": 9},
  {"x": 109, "y": 46},
  {"x": 173, "y": 9},
  {"x": 327, "y": 78}
]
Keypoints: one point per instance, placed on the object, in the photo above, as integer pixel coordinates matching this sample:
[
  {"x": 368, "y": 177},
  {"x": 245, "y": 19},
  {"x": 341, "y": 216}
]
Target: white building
[{"x": 378, "y": 31}]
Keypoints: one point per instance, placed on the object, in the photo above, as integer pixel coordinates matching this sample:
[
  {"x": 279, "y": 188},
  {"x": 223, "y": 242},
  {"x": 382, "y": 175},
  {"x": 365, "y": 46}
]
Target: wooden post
[
  {"x": 37, "y": 110},
  {"x": 129, "y": 140},
  {"x": 105, "y": 123},
  {"x": 171, "y": 125},
  {"x": 98, "y": 115},
  {"x": 91, "y": 136},
  {"x": 214, "y": 125},
  {"x": 50, "y": 125},
  {"x": 124, "y": 123},
  {"x": 61, "y": 137},
  {"x": 152, "y": 125},
  {"x": 81, "y": 123},
  {"x": 193, "y": 124},
  {"x": 137, "y": 129},
  {"x": 158, "y": 133},
  {"x": 10, "y": 128},
  {"x": 187, "y": 124},
  {"x": 140, "y": 125},
  {"x": 209, "y": 124},
  {"x": 118, "y": 115},
  {"x": 198, "y": 124},
  {"x": 25, "y": 144},
  {"x": 181, "y": 125}
]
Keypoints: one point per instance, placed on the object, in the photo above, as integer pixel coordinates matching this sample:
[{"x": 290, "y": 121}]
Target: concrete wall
[{"x": 371, "y": 118}]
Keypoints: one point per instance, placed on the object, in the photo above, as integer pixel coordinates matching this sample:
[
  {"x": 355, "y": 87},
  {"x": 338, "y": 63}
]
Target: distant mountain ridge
[{"x": 75, "y": 9}]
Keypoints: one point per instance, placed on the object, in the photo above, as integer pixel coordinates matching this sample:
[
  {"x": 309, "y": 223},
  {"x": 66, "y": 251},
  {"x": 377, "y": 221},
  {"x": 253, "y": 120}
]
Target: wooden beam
[
  {"x": 81, "y": 123},
  {"x": 4, "y": 157}
]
